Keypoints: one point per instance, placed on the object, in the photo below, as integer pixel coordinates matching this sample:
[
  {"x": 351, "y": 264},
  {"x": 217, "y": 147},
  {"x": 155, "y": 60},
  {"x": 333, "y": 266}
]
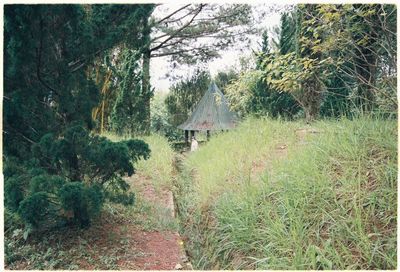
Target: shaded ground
[{"x": 140, "y": 238}]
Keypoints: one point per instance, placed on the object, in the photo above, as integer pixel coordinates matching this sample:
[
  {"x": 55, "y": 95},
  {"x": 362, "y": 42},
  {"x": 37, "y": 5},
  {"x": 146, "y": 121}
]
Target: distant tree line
[
  {"x": 322, "y": 60},
  {"x": 328, "y": 60}
]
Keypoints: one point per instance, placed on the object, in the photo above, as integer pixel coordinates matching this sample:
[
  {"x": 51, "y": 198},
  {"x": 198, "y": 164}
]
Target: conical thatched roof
[{"x": 211, "y": 113}]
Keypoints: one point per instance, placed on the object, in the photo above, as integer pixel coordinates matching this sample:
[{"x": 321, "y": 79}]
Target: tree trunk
[
  {"x": 366, "y": 60},
  {"x": 312, "y": 99},
  {"x": 146, "y": 88},
  {"x": 366, "y": 73},
  {"x": 311, "y": 112},
  {"x": 146, "y": 91}
]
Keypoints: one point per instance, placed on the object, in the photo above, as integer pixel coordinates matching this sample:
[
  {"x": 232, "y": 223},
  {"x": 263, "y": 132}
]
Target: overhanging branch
[
  {"x": 179, "y": 29},
  {"x": 172, "y": 14}
]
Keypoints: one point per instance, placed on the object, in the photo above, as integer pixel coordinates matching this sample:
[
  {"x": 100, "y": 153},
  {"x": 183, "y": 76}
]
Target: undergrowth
[
  {"x": 325, "y": 199},
  {"x": 107, "y": 241}
]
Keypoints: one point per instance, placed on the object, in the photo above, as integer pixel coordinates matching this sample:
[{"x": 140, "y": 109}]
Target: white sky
[{"x": 160, "y": 69}]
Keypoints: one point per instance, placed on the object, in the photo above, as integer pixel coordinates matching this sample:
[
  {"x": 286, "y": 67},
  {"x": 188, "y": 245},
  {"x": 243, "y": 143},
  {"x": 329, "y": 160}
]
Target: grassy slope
[{"x": 329, "y": 202}]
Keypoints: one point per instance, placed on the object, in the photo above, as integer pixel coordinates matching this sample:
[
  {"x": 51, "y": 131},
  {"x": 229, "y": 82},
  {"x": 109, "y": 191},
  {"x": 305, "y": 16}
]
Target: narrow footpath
[{"x": 159, "y": 249}]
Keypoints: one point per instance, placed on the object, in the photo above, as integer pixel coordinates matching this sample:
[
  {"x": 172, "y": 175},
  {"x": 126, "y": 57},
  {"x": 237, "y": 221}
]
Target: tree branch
[
  {"x": 175, "y": 52},
  {"x": 172, "y": 14},
  {"x": 179, "y": 29}
]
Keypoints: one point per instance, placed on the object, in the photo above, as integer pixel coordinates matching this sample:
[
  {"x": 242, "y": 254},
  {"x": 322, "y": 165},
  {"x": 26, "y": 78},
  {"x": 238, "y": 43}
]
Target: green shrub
[
  {"x": 83, "y": 201},
  {"x": 75, "y": 172},
  {"x": 34, "y": 208},
  {"x": 13, "y": 191},
  {"x": 46, "y": 183}
]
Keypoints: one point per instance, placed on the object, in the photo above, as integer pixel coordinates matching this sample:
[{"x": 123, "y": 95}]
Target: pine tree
[
  {"x": 54, "y": 166},
  {"x": 287, "y": 37}
]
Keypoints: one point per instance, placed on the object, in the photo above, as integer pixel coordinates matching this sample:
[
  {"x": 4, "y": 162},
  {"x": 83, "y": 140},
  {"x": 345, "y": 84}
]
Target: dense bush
[
  {"x": 249, "y": 94},
  {"x": 71, "y": 176}
]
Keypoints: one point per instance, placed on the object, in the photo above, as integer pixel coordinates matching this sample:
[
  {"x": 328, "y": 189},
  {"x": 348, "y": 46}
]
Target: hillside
[{"x": 285, "y": 195}]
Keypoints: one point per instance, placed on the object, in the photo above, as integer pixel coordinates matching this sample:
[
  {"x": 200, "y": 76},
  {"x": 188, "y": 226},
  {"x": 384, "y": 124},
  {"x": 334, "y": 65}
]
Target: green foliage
[
  {"x": 302, "y": 77},
  {"x": 301, "y": 72},
  {"x": 46, "y": 183},
  {"x": 13, "y": 191},
  {"x": 52, "y": 161},
  {"x": 185, "y": 95},
  {"x": 336, "y": 101},
  {"x": 327, "y": 200},
  {"x": 287, "y": 41},
  {"x": 129, "y": 110},
  {"x": 83, "y": 201},
  {"x": 118, "y": 23},
  {"x": 362, "y": 49},
  {"x": 34, "y": 208},
  {"x": 249, "y": 93},
  {"x": 159, "y": 113},
  {"x": 240, "y": 91},
  {"x": 99, "y": 167},
  {"x": 224, "y": 78},
  {"x": 333, "y": 60},
  {"x": 160, "y": 119}
]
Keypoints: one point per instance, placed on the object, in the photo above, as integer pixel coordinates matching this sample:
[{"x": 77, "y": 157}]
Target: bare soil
[
  {"x": 160, "y": 250},
  {"x": 114, "y": 241}
]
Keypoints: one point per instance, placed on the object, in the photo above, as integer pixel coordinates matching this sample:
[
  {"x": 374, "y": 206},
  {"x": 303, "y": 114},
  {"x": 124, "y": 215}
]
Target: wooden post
[
  {"x": 208, "y": 135},
  {"x": 187, "y": 137}
]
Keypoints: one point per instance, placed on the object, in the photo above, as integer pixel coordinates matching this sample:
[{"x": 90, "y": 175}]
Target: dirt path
[{"x": 160, "y": 249}]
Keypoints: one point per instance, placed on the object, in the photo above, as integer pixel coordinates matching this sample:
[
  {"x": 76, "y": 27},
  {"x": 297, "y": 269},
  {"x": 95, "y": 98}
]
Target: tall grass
[
  {"x": 330, "y": 202},
  {"x": 227, "y": 160},
  {"x": 159, "y": 166}
]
